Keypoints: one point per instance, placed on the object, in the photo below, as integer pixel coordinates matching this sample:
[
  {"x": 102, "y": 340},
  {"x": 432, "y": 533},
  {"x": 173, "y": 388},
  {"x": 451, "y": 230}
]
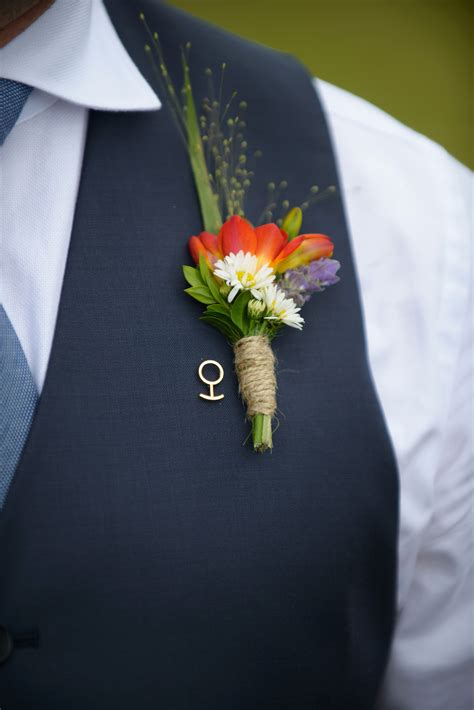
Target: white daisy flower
[
  {"x": 282, "y": 308},
  {"x": 241, "y": 272}
]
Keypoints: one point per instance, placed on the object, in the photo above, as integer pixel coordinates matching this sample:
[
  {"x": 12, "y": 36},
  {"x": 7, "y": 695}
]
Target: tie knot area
[{"x": 13, "y": 96}]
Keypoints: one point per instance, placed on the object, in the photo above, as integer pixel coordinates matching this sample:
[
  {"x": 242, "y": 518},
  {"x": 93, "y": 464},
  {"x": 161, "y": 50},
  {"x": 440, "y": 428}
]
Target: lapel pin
[{"x": 211, "y": 383}]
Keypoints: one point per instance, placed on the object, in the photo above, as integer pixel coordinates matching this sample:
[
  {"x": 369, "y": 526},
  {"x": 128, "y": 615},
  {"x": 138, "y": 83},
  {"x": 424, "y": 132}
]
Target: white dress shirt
[{"x": 408, "y": 206}]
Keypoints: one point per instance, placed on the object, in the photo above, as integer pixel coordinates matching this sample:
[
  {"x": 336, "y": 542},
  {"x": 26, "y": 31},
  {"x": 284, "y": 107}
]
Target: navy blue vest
[{"x": 148, "y": 558}]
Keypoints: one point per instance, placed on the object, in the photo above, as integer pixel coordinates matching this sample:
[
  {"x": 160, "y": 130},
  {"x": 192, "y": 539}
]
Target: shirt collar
[{"x": 73, "y": 52}]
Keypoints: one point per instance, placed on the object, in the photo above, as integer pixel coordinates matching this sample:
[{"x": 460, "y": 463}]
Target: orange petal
[
  {"x": 209, "y": 242},
  {"x": 237, "y": 234},
  {"x": 196, "y": 248},
  {"x": 270, "y": 241},
  {"x": 288, "y": 249},
  {"x": 309, "y": 248}
]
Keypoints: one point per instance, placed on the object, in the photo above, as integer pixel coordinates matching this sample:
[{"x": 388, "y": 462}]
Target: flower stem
[{"x": 262, "y": 432}]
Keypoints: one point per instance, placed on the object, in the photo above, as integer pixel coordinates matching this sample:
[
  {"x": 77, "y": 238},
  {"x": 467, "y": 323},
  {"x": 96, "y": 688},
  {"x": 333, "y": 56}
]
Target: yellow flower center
[{"x": 245, "y": 278}]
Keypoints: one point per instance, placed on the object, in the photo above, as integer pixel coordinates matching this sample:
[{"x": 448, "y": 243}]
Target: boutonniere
[{"x": 252, "y": 280}]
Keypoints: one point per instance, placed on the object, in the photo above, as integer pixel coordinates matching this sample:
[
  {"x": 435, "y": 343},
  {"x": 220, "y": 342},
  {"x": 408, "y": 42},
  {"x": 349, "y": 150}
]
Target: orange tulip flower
[{"x": 268, "y": 243}]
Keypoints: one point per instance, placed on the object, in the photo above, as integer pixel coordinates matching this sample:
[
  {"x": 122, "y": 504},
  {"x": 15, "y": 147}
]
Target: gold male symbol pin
[{"x": 211, "y": 383}]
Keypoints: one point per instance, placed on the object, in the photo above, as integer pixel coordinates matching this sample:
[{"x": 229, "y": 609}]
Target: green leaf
[
  {"x": 223, "y": 324},
  {"x": 220, "y": 317},
  {"x": 238, "y": 311},
  {"x": 219, "y": 325},
  {"x": 209, "y": 280},
  {"x": 193, "y": 276},
  {"x": 217, "y": 308},
  {"x": 200, "y": 293}
]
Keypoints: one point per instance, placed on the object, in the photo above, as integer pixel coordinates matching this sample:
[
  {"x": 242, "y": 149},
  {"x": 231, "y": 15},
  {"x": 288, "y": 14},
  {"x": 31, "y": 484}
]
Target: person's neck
[{"x": 15, "y": 17}]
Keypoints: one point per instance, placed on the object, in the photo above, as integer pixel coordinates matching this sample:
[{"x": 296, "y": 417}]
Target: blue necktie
[
  {"x": 18, "y": 399},
  {"x": 13, "y": 97}
]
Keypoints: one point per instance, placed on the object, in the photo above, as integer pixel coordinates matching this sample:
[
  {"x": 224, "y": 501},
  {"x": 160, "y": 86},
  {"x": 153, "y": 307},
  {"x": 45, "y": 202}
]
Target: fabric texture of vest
[{"x": 157, "y": 562}]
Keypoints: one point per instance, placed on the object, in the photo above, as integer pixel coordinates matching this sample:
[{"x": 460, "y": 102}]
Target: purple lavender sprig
[{"x": 300, "y": 284}]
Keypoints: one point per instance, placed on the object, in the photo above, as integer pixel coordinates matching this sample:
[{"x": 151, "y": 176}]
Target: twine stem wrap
[{"x": 255, "y": 368}]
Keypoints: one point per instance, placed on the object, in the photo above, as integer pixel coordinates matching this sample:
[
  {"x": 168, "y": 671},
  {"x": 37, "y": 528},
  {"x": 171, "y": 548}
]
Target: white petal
[{"x": 234, "y": 292}]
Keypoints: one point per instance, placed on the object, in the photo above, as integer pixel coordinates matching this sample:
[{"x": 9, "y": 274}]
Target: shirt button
[{"x": 6, "y": 644}]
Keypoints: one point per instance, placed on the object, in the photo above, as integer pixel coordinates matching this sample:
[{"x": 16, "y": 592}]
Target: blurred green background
[{"x": 412, "y": 58}]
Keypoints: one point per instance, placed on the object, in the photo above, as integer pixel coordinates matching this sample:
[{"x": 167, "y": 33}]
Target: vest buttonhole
[{"x": 26, "y": 639}]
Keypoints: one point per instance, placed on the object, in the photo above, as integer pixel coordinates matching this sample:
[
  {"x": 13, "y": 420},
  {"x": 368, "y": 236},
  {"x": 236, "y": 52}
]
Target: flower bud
[
  {"x": 256, "y": 309},
  {"x": 292, "y": 222}
]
